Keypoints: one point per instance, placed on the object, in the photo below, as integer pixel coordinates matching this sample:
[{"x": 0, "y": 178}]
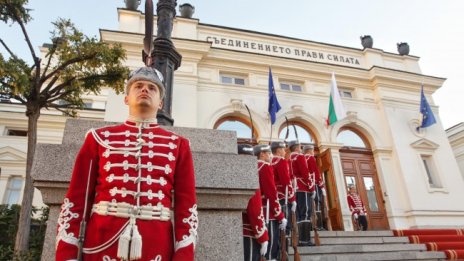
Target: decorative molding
[
  {"x": 11, "y": 154},
  {"x": 237, "y": 104},
  {"x": 424, "y": 144},
  {"x": 413, "y": 126},
  {"x": 352, "y": 116}
]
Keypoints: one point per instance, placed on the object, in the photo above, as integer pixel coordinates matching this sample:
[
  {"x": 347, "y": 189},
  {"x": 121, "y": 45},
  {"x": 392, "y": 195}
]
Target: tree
[{"x": 74, "y": 64}]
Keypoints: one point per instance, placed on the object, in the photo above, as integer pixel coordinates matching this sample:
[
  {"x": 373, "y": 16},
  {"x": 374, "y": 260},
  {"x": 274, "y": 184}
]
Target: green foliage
[
  {"x": 9, "y": 216},
  {"x": 14, "y": 10},
  {"x": 74, "y": 64}
]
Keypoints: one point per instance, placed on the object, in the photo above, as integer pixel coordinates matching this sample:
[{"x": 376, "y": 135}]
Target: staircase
[{"x": 365, "y": 245}]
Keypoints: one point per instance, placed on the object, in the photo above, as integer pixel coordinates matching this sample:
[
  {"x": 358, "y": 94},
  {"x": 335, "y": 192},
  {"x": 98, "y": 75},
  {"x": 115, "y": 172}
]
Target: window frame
[
  {"x": 240, "y": 140},
  {"x": 10, "y": 190},
  {"x": 291, "y": 86},
  {"x": 234, "y": 78},
  {"x": 9, "y": 131},
  {"x": 343, "y": 90},
  {"x": 430, "y": 172}
]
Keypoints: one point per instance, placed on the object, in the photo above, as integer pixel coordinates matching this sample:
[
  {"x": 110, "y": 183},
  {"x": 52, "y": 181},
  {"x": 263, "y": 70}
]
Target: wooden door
[
  {"x": 359, "y": 170},
  {"x": 324, "y": 161}
]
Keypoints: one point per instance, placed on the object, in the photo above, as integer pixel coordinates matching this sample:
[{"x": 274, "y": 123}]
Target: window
[
  {"x": 87, "y": 104},
  {"x": 231, "y": 79},
  {"x": 18, "y": 133},
  {"x": 241, "y": 126},
  {"x": 291, "y": 87},
  {"x": 350, "y": 139},
  {"x": 430, "y": 171},
  {"x": 13, "y": 190},
  {"x": 304, "y": 136},
  {"x": 345, "y": 93}
]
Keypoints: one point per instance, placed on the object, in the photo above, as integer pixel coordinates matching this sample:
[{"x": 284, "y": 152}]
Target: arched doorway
[
  {"x": 359, "y": 170},
  {"x": 241, "y": 126}
]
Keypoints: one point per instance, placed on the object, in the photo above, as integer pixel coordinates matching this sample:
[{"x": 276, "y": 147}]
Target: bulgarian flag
[{"x": 336, "y": 109}]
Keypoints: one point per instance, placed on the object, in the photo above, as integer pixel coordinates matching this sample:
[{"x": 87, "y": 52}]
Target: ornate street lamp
[{"x": 161, "y": 54}]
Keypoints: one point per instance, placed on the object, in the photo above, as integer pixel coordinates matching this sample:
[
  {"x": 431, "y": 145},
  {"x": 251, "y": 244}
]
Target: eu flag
[
  {"x": 427, "y": 115},
  {"x": 274, "y": 105}
]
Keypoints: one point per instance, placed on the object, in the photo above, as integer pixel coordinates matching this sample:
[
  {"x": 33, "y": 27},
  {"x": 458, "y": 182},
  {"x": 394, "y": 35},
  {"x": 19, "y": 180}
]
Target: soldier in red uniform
[
  {"x": 357, "y": 208},
  {"x": 308, "y": 151},
  {"x": 134, "y": 186},
  {"x": 271, "y": 204},
  {"x": 304, "y": 193},
  {"x": 285, "y": 191},
  {"x": 255, "y": 236}
]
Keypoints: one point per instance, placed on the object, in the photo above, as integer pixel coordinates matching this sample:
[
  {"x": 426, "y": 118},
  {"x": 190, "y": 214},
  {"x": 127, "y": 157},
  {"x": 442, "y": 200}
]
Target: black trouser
[
  {"x": 303, "y": 216},
  {"x": 251, "y": 249},
  {"x": 362, "y": 222},
  {"x": 319, "y": 202},
  {"x": 286, "y": 211},
  {"x": 273, "y": 247}
]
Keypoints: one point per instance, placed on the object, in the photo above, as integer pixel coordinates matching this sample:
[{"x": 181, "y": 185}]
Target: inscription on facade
[{"x": 283, "y": 51}]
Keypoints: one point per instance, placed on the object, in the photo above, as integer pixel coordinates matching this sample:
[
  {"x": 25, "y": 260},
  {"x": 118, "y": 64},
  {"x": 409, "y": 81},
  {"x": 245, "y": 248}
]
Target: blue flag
[
  {"x": 427, "y": 115},
  {"x": 274, "y": 105}
]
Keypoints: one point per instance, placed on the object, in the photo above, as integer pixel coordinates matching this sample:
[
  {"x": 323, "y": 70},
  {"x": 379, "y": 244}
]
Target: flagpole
[{"x": 270, "y": 137}]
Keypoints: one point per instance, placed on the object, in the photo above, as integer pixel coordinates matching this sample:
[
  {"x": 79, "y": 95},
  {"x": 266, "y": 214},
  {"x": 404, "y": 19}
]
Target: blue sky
[{"x": 434, "y": 29}]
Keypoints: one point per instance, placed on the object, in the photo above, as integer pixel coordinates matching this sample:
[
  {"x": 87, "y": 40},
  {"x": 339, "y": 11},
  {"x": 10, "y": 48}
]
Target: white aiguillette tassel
[
  {"x": 136, "y": 244},
  {"x": 124, "y": 242}
]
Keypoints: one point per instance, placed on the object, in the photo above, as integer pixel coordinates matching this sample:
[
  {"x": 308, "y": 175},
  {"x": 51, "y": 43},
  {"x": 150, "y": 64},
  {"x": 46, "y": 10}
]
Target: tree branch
[
  {"x": 8, "y": 49},
  {"x": 48, "y": 63},
  {"x": 50, "y": 85},
  {"x": 26, "y": 36},
  {"x": 67, "y": 63},
  {"x": 60, "y": 96},
  {"x": 14, "y": 96},
  {"x": 53, "y": 92}
]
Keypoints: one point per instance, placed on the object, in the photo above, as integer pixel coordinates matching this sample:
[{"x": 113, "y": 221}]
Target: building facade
[
  {"x": 408, "y": 178},
  {"x": 456, "y": 139}
]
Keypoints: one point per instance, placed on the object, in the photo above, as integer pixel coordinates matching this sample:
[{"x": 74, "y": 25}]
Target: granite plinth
[
  {"x": 202, "y": 140},
  {"x": 212, "y": 170},
  {"x": 224, "y": 183}
]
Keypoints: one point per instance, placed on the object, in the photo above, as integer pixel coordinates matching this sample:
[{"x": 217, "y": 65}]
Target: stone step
[
  {"x": 362, "y": 240},
  {"x": 402, "y": 255},
  {"x": 369, "y": 233},
  {"x": 358, "y": 248}
]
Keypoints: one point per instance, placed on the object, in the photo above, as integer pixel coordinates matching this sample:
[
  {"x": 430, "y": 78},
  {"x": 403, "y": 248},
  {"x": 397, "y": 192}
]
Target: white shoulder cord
[{"x": 103, "y": 144}]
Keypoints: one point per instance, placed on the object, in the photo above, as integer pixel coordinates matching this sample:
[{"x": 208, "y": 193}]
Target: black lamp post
[{"x": 165, "y": 58}]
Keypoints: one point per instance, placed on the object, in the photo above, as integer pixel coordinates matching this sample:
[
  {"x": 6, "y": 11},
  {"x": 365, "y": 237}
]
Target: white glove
[
  {"x": 293, "y": 206},
  {"x": 324, "y": 193},
  {"x": 283, "y": 224},
  {"x": 355, "y": 216},
  {"x": 313, "y": 196},
  {"x": 263, "y": 249}
]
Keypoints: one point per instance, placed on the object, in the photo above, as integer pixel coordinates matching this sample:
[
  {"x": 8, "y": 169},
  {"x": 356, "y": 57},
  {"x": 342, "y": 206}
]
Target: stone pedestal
[{"x": 224, "y": 183}]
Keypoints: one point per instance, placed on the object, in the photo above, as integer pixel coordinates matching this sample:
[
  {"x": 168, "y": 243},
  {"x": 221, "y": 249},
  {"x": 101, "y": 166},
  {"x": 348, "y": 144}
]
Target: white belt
[{"x": 125, "y": 210}]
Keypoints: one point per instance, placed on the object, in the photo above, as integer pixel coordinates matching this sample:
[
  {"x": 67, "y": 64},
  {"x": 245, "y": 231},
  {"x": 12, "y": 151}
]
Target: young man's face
[
  {"x": 143, "y": 95},
  {"x": 352, "y": 190},
  {"x": 265, "y": 156},
  {"x": 309, "y": 152},
  {"x": 280, "y": 152}
]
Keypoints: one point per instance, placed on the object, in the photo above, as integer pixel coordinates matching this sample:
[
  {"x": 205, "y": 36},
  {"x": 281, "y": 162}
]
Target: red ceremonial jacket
[
  {"x": 126, "y": 181},
  {"x": 254, "y": 225},
  {"x": 300, "y": 170},
  {"x": 269, "y": 191},
  {"x": 282, "y": 178},
  {"x": 314, "y": 170},
  {"x": 356, "y": 205}
]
